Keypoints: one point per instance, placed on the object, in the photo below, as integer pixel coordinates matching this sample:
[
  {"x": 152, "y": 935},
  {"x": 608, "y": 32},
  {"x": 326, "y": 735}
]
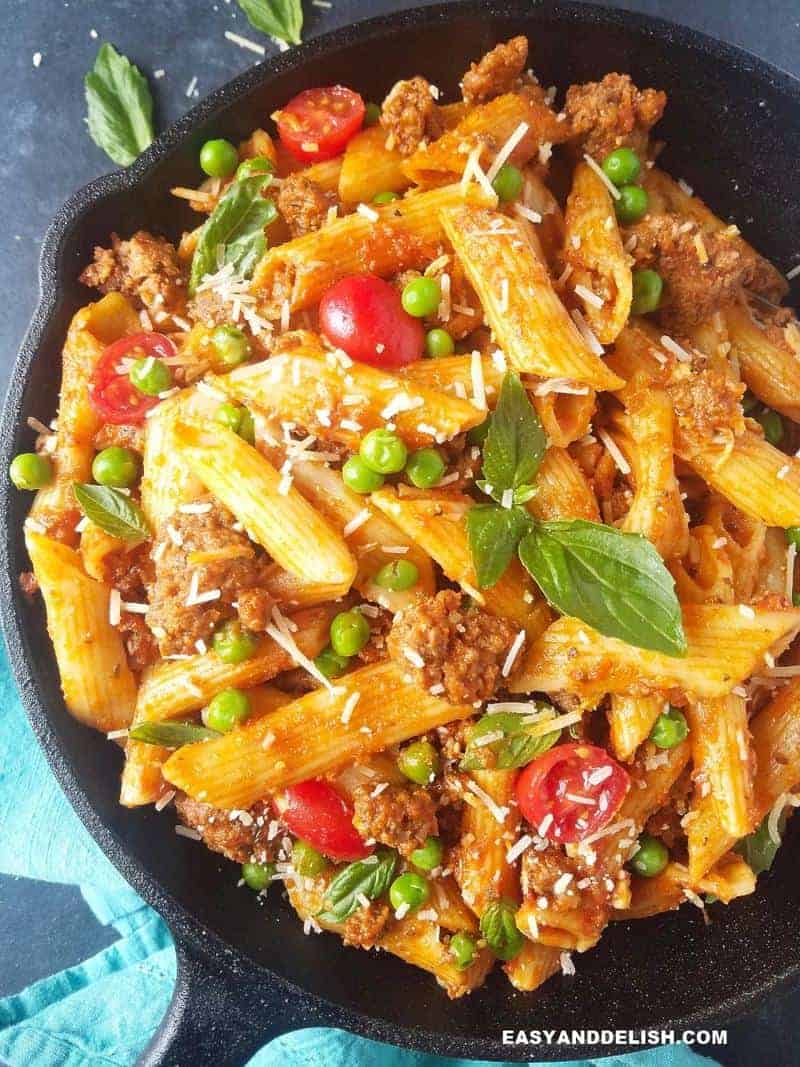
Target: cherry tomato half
[
  {"x": 571, "y": 791},
  {"x": 317, "y": 123},
  {"x": 315, "y": 812},
  {"x": 363, "y": 315},
  {"x": 112, "y": 395}
]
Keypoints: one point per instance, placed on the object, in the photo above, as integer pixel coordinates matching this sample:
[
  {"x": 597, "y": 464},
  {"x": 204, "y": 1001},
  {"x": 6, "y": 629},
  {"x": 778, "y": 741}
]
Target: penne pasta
[
  {"x": 369, "y": 168},
  {"x": 768, "y": 357},
  {"x": 721, "y": 752}
]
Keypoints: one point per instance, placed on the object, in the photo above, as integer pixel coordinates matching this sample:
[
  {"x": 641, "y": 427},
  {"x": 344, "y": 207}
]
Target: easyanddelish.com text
[{"x": 628, "y": 1038}]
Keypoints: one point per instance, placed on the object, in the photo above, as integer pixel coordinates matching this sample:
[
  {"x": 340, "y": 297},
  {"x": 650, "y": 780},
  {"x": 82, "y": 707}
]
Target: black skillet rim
[{"x": 184, "y": 926}]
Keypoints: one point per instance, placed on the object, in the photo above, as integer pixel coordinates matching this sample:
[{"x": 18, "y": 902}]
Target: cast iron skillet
[{"x": 247, "y": 973}]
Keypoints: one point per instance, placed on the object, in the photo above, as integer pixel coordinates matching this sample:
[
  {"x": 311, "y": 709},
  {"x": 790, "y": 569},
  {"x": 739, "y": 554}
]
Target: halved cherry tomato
[
  {"x": 571, "y": 791},
  {"x": 315, "y": 812},
  {"x": 317, "y": 123},
  {"x": 363, "y": 315},
  {"x": 112, "y": 395}
]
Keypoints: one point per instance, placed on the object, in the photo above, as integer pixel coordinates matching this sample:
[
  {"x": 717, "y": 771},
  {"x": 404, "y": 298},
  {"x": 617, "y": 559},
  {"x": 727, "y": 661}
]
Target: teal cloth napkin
[{"x": 103, "y": 1011}]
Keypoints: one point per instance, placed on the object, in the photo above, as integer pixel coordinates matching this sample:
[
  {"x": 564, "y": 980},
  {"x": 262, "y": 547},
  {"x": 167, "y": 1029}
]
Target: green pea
[
  {"x": 150, "y": 376},
  {"x": 372, "y": 114},
  {"x": 477, "y": 435},
  {"x": 231, "y": 345},
  {"x": 349, "y": 633},
  {"x": 421, "y": 297},
  {"x": 632, "y": 204},
  {"x": 29, "y": 470},
  {"x": 227, "y": 709},
  {"x": 793, "y": 535},
  {"x": 462, "y": 949},
  {"x": 650, "y": 858},
  {"x": 232, "y": 643},
  {"x": 410, "y": 889},
  {"x": 796, "y": 600},
  {"x": 749, "y": 402},
  {"x": 425, "y": 468},
  {"x": 398, "y": 575},
  {"x": 229, "y": 415},
  {"x": 115, "y": 466},
  {"x": 419, "y": 762},
  {"x": 359, "y": 477},
  {"x": 247, "y": 426},
  {"x": 257, "y": 876},
  {"x": 622, "y": 166},
  {"x": 508, "y": 182},
  {"x": 331, "y": 663},
  {"x": 306, "y": 860},
  {"x": 772, "y": 425},
  {"x": 647, "y": 289},
  {"x": 438, "y": 343},
  {"x": 218, "y": 158},
  {"x": 385, "y": 198},
  {"x": 383, "y": 452},
  {"x": 670, "y": 728},
  {"x": 429, "y": 857},
  {"x": 252, "y": 168}
]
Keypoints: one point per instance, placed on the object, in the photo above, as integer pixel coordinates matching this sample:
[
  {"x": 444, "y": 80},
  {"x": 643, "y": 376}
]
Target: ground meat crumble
[
  {"x": 397, "y": 816},
  {"x": 410, "y": 115},
  {"x": 496, "y": 73},
  {"x": 144, "y": 268},
  {"x": 303, "y": 204},
  {"x": 610, "y": 113},
  {"x": 241, "y": 836},
  {"x": 462, "y": 651},
  {"x": 365, "y": 926}
]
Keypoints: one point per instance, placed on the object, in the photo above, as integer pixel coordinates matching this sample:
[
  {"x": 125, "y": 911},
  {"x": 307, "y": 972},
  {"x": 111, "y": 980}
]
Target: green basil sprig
[
  {"x": 616, "y": 582},
  {"x": 369, "y": 877},
  {"x": 758, "y": 849},
  {"x": 234, "y": 231},
  {"x": 171, "y": 734},
  {"x": 514, "y": 749},
  {"x": 119, "y": 106},
  {"x": 112, "y": 511},
  {"x": 277, "y": 18},
  {"x": 499, "y": 927}
]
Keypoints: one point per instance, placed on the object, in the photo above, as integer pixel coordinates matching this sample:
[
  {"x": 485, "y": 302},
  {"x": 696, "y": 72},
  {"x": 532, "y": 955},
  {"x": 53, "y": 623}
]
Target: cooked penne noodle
[
  {"x": 562, "y": 490},
  {"x": 630, "y": 720},
  {"x": 167, "y": 480},
  {"x": 729, "y": 879},
  {"x": 529, "y": 322},
  {"x": 278, "y": 518},
  {"x": 769, "y": 358},
  {"x": 721, "y": 753},
  {"x": 482, "y": 869},
  {"x": 600, "y": 277},
  {"x": 99, "y": 688},
  {"x": 533, "y": 966},
  {"x": 369, "y": 168}
]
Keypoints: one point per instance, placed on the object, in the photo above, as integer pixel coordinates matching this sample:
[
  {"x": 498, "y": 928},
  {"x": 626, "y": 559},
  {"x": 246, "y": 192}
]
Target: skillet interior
[{"x": 741, "y": 155}]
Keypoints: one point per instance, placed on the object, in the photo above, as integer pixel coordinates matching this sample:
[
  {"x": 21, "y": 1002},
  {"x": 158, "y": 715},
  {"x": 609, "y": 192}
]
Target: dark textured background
[{"x": 48, "y": 154}]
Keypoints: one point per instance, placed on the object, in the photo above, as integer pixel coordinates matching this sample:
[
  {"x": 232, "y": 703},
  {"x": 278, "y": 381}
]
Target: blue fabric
[{"x": 103, "y": 1011}]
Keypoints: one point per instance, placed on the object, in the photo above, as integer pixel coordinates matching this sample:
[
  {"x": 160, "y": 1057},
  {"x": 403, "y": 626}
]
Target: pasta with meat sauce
[{"x": 424, "y": 522}]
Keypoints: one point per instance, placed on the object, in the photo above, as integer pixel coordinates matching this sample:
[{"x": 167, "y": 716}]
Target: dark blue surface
[{"x": 48, "y": 154}]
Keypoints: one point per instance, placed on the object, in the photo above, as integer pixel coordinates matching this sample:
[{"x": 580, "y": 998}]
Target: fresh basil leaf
[
  {"x": 370, "y": 877},
  {"x": 494, "y": 534},
  {"x": 499, "y": 927},
  {"x": 614, "y": 581},
  {"x": 171, "y": 734},
  {"x": 120, "y": 107},
  {"x": 277, "y": 18},
  {"x": 758, "y": 849},
  {"x": 524, "y": 493},
  {"x": 112, "y": 511},
  {"x": 514, "y": 749},
  {"x": 234, "y": 231},
  {"x": 515, "y": 442}
]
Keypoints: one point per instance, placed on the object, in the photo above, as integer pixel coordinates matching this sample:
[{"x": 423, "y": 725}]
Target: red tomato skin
[
  {"x": 327, "y": 117},
  {"x": 111, "y": 393},
  {"x": 318, "y": 814},
  {"x": 541, "y": 785},
  {"x": 361, "y": 312}
]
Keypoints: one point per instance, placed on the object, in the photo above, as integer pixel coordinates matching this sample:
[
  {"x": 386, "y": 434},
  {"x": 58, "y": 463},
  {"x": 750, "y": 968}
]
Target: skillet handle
[{"x": 217, "y": 1017}]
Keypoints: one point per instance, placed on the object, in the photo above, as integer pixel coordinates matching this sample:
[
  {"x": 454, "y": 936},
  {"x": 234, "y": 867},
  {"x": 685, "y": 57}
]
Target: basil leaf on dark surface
[
  {"x": 171, "y": 734},
  {"x": 234, "y": 232},
  {"x": 277, "y": 18},
  {"x": 112, "y": 511},
  {"x": 616, "y": 582},
  {"x": 515, "y": 442},
  {"x": 514, "y": 748},
  {"x": 120, "y": 107},
  {"x": 369, "y": 877},
  {"x": 758, "y": 849},
  {"x": 494, "y": 534},
  {"x": 499, "y": 927}
]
